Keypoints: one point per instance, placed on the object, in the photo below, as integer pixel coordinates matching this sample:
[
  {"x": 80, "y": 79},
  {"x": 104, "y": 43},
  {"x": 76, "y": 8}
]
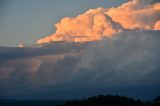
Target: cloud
[
  {"x": 37, "y": 50},
  {"x": 157, "y": 25},
  {"x": 101, "y": 22},
  {"x": 136, "y": 14},
  {"x": 89, "y": 26},
  {"x": 102, "y": 54},
  {"x": 129, "y": 59},
  {"x": 128, "y": 54}
]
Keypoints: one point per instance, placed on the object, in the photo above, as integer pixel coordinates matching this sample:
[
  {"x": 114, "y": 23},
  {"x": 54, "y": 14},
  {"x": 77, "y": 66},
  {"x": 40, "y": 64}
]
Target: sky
[
  {"x": 105, "y": 50},
  {"x": 28, "y": 21}
]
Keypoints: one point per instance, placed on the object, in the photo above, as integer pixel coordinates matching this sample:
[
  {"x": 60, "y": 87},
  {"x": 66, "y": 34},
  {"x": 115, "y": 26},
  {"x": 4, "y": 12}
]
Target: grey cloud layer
[{"x": 126, "y": 61}]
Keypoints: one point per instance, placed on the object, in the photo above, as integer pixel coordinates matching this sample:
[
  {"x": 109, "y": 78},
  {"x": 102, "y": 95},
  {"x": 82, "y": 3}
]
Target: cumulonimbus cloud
[
  {"x": 97, "y": 23},
  {"x": 127, "y": 59},
  {"x": 130, "y": 58}
]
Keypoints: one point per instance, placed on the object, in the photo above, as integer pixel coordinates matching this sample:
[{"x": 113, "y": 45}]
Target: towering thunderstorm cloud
[
  {"x": 97, "y": 23},
  {"x": 112, "y": 51}
]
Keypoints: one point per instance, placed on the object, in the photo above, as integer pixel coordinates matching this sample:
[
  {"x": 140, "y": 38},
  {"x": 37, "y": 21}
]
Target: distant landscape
[
  {"x": 99, "y": 100},
  {"x": 31, "y": 102}
]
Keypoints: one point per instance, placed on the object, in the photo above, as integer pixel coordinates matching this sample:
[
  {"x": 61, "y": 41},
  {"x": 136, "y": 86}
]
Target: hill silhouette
[
  {"x": 110, "y": 100},
  {"x": 100, "y": 100}
]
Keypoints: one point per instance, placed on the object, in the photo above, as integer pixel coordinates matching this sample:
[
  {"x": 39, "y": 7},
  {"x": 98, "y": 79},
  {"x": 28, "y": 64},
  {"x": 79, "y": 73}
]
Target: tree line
[{"x": 112, "y": 100}]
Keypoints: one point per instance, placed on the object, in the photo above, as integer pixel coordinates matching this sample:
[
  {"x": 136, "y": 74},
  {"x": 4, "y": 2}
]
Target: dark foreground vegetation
[
  {"x": 100, "y": 100},
  {"x": 31, "y": 102},
  {"x": 108, "y": 100}
]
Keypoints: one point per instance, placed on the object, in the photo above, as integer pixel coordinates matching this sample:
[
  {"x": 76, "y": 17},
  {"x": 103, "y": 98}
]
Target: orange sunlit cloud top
[{"x": 96, "y": 23}]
